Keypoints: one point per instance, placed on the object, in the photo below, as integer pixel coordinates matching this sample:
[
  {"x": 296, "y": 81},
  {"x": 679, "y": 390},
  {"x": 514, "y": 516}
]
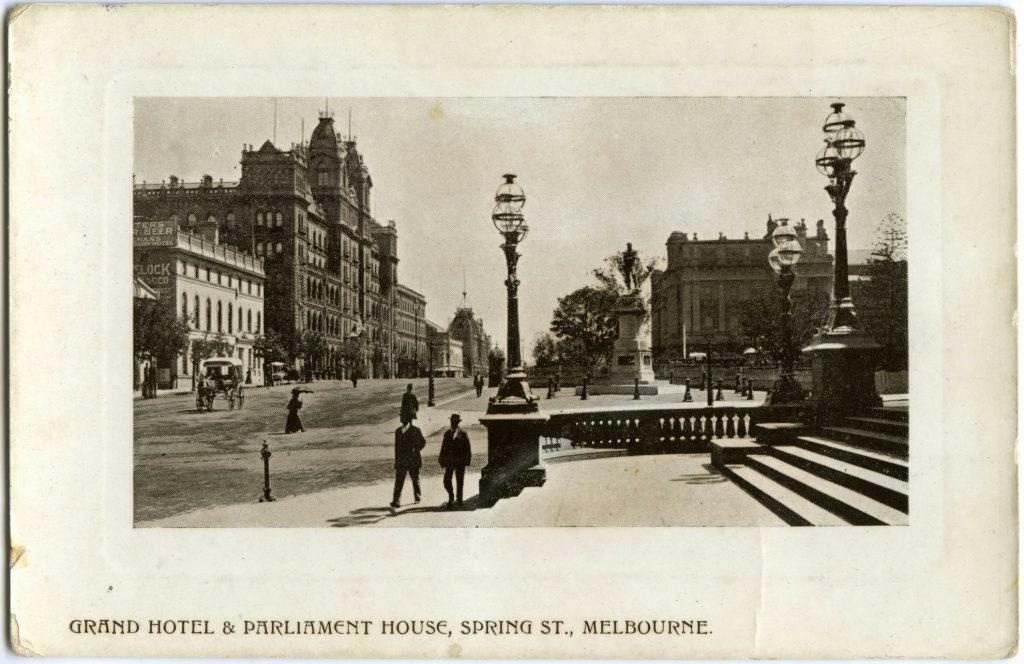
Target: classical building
[
  {"x": 468, "y": 328},
  {"x": 411, "y": 337},
  {"x": 332, "y": 269},
  {"x": 217, "y": 289},
  {"x": 447, "y": 352},
  {"x": 698, "y": 297}
]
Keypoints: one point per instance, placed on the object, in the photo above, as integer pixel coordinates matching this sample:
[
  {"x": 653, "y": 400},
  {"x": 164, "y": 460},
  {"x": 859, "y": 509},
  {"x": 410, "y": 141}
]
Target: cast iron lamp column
[
  {"x": 782, "y": 259},
  {"x": 514, "y": 395},
  {"x": 513, "y": 422},
  {"x": 843, "y": 355}
]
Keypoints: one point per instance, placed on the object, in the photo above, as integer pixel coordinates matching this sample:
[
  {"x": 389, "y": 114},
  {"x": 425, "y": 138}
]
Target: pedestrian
[
  {"x": 455, "y": 456},
  {"x": 478, "y": 383},
  {"x": 248, "y": 376},
  {"x": 294, "y": 423},
  {"x": 355, "y": 378},
  {"x": 410, "y": 404},
  {"x": 558, "y": 380},
  {"x": 408, "y": 443}
]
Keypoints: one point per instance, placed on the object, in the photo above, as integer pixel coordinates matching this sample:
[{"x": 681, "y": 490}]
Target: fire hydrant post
[{"x": 266, "y": 453}]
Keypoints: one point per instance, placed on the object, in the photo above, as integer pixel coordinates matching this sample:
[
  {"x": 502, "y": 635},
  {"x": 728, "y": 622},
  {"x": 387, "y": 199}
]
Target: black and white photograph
[{"x": 520, "y": 312}]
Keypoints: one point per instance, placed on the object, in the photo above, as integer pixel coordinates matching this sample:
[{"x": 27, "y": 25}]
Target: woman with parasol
[{"x": 294, "y": 423}]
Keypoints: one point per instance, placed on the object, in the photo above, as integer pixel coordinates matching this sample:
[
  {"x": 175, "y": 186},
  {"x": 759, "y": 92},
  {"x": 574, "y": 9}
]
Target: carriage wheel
[{"x": 241, "y": 399}]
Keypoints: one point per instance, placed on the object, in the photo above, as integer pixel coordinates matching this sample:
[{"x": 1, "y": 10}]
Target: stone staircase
[{"x": 853, "y": 473}]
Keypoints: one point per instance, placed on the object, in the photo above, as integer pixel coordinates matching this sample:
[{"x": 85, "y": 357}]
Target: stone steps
[{"x": 853, "y": 473}]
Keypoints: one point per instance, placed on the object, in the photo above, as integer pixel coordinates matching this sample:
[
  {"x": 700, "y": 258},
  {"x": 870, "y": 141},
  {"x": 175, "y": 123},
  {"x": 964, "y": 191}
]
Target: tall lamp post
[
  {"x": 430, "y": 371},
  {"x": 843, "y": 355},
  {"x": 513, "y": 424},
  {"x": 782, "y": 259},
  {"x": 514, "y": 394}
]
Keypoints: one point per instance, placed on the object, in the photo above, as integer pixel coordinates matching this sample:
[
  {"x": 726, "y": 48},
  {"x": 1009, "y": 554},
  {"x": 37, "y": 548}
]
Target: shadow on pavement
[
  {"x": 712, "y": 476},
  {"x": 368, "y": 516}
]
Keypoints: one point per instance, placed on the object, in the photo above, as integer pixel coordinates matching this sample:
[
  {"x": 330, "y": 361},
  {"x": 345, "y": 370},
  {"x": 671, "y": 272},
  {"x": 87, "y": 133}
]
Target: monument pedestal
[{"x": 631, "y": 359}]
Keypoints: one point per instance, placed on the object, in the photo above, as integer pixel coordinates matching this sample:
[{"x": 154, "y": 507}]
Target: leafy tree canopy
[{"x": 158, "y": 330}]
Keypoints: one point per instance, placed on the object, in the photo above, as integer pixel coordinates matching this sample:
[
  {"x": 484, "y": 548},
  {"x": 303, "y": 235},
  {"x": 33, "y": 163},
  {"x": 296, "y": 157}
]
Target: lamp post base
[
  {"x": 843, "y": 375},
  {"x": 514, "y": 427}
]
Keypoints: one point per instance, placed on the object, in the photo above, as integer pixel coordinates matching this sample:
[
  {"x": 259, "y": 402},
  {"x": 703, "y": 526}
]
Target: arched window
[
  {"x": 279, "y": 247},
  {"x": 191, "y": 219},
  {"x": 259, "y": 248},
  {"x": 184, "y": 306},
  {"x": 174, "y": 220},
  {"x": 209, "y": 315},
  {"x": 195, "y": 311},
  {"x": 279, "y": 219},
  {"x": 259, "y": 218},
  {"x": 248, "y": 320},
  {"x": 231, "y": 319},
  {"x": 257, "y": 322},
  {"x": 220, "y": 316},
  {"x": 231, "y": 219}
]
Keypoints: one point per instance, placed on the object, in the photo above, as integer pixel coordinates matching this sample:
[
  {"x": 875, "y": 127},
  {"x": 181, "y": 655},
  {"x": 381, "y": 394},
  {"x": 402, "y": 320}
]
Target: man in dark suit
[
  {"x": 408, "y": 443},
  {"x": 410, "y": 404},
  {"x": 455, "y": 456}
]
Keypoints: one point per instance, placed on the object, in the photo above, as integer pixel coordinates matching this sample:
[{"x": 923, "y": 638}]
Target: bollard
[
  {"x": 265, "y": 453},
  {"x": 687, "y": 397},
  {"x": 718, "y": 395},
  {"x": 636, "y": 389},
  {"x": 551, "y": 388},
  {"x": 750, "y": 390},
  {"x": 583, "y": 394},
  {"x": 739, "y": 385},
  {"x": 671, "y": 377}
]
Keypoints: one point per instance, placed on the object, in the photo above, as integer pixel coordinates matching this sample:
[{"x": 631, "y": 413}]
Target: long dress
[{"x": 294, "y": 423}]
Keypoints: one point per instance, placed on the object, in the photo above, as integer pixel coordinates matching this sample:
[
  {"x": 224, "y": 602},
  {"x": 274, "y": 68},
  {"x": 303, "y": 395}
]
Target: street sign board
[{"x": 160, "y": 233}]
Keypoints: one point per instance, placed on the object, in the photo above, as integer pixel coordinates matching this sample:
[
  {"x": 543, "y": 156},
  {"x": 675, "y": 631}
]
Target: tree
[
  {"x": 216, "y": 346},
  {"x": 352, "y": 351},
  {"x": 158, "y": 331},
  {"x": 881, "y": 298},
  {"x": 270, "y": 347},
  {"x": 760, "y": 320},
  {"x": 609, "y": 277},
  {"x": 586, "y": 325},
  {"x": 546, "y": 351}
]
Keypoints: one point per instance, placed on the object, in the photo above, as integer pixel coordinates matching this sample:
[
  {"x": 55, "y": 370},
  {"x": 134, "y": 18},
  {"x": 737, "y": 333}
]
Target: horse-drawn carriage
[{"x": 220, "y": 376}]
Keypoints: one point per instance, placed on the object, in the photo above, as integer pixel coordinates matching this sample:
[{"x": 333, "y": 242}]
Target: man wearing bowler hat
[
  {"x": 455, "y": 456},
  {"x": 408, "y": 443}
]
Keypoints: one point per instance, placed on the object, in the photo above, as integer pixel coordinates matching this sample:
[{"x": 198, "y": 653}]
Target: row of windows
[
  {"x": 269, "y": 248},
  {"x": 245, "y": 317},
  {"x": 221, "y": 278},
  {"x": 324, "y": 323},
  {"x": 271, "y": 218}
]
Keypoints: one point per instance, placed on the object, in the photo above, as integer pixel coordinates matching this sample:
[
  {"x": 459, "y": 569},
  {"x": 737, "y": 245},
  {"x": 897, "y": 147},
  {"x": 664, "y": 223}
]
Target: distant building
[
  {"x": 698, "y": 297},
  {"x": 412, "y": 331},
  {"x": 218, "y": 290},
  {"x": 332, "y": 268},
  {"x": 468, "y": 328},
  {"x": 446, "y": 350}
]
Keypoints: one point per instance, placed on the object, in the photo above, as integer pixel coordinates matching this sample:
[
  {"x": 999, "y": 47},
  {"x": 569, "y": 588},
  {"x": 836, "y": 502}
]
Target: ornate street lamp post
[
  {"x": 843, "y": 355},
  {"x": 514, "y": 394},
  {"x": 782, "y": 259},
  {"x": 430, "y": 371},
  {"x": 513, "y": 424}
]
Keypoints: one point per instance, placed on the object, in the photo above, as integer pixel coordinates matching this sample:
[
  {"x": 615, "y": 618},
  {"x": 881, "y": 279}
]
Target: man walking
[
  {"x": 478, "y": 383},
  {"x": 408, "y": 443},
  {"x": 410, "y": 404},
  {"x": 455, "y": 456}
]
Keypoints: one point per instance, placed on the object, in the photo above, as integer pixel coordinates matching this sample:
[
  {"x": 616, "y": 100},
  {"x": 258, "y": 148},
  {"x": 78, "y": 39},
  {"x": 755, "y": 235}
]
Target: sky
[{"x": 597, "y": 173}]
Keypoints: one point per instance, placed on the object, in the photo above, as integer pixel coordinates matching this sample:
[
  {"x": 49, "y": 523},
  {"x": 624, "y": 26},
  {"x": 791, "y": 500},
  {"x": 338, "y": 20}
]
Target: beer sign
[{"x": 160, "y": 233}]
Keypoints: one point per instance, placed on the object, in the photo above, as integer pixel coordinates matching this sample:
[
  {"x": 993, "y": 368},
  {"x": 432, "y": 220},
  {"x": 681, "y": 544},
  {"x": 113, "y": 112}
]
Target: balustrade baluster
[
  {"x": 741, "y": 429},
  {"x": 730, "y": 429},
  {"x": 675, "y": 442},
  {"x": 719, "y": 427},
  {"x": 687, "y": 430}
]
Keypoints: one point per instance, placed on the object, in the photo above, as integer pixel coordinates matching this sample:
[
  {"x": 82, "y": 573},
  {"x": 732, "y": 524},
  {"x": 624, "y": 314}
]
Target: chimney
[
  {"x": 174, "y": 181},
  {"x": 209, "y": 229},
  {"x": 207, "y": 181}
]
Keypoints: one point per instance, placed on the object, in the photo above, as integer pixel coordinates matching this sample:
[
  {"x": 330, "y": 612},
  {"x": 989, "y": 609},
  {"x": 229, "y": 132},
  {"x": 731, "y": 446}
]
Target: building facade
[
  {"x": 697, "y": 299},
  {"x": 446, "y": 350},
  {"x": 410, "y": 312},
  {"x": 468, "y": 328},
  {"x": 217, "y": 289},
  {"x": 331, "y": 267}
]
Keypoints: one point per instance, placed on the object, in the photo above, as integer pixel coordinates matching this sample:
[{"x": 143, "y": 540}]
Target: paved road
[{"x": 186, "y": 460}]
